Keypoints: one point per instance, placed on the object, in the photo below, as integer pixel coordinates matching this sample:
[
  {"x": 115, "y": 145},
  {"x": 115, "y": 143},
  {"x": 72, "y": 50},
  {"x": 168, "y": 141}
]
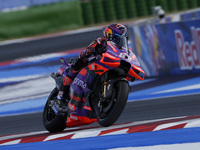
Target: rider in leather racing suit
[{"x": 111, "y": 32}]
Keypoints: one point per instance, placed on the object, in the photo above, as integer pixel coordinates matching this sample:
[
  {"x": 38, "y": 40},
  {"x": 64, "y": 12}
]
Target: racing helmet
[
  {"x": 114, "y": 30},
  {"x": 117, "y": 33}
]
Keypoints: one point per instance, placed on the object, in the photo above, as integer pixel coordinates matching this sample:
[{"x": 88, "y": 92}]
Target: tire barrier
[
  {"x": 172, "y": 5},
  {"x": 141, "y": 8},
  {"x": 162, "y": 3},
  {"x": 87, "y": 12},
  {"x": 192, "y": 3},
  {"x": 130, "y": 8},
  {"x": 120, "y": 9},
  {"x": 98, "y": 11},
  {"x": 182, "y": 4},
  {"x": 150, "y": 4},
  {"x": 109, "y": 10}
]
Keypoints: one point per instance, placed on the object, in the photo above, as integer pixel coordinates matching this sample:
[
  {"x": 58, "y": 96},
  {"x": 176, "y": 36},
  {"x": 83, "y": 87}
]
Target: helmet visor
[{"x": 121, "y": 42}]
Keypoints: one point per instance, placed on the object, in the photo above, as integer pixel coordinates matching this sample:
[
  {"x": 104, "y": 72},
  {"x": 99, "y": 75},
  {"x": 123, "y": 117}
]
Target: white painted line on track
[
  {"x": 28, "y": 98},
  {"x": 55, "y": 136},
  {"x": 22, "y": 78},
  {"x": 190, "y": 87},
  {"x": 123, "y": 131},
  {"x": 37, "y": 87},
  {"x": 85, "y": 134},
  {"x": 168, "y": 125},
  {"x": 12, "y": 142},
  {"x": 39, "y": 57},
  {"x": 188, "y": 124},
  {"x": 194, "y": 123},
  {"x": 22, "y": 135}
]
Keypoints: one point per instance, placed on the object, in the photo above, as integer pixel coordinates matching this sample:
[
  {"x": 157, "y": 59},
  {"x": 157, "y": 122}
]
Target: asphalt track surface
[
  {"x": 134, "y": 111},
  {"x": 48, "y": 44}
]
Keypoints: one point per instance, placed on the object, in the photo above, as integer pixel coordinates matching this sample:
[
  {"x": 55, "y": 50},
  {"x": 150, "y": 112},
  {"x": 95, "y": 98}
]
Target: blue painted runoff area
[
  {"x": 187, "y": 135},
  {"x": 23, "y": 107},
  {"x": 186, "y": 87}
]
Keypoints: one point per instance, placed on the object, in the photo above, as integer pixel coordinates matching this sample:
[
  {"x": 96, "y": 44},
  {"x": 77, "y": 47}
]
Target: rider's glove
[
  {"x": 77, "y": 64},
  {"x": 59, "y": 80},
  {"x": 102, "y": 47}
]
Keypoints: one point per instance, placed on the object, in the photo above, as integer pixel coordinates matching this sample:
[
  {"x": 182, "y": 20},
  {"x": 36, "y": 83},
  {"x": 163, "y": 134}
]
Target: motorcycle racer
[{"x": 113, "y": 33}]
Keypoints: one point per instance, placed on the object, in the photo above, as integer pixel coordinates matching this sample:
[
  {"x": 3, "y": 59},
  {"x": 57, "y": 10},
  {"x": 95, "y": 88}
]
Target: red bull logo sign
[{"x": 188, "y": 52}]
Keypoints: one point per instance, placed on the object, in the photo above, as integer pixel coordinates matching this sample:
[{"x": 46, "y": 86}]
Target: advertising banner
[
  {"x": 190, "y": 15},
  {"x": 168, "y": 49}
]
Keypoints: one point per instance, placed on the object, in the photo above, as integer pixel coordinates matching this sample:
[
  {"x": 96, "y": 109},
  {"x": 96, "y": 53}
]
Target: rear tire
[
  {"x": 51, "y": 121},
  {"x": 122, "y": 88}
]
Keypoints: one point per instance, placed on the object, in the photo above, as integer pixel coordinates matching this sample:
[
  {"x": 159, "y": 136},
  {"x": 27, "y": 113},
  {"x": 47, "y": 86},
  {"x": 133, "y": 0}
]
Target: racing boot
[
  {"x": 63, "y": 98},
  {"x": 63, "y": 94},
  {"x": 62, "y": 85}
]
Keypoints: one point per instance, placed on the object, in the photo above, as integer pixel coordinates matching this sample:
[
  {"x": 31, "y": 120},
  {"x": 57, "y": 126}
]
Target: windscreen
[{"x": 121, "y": 42}]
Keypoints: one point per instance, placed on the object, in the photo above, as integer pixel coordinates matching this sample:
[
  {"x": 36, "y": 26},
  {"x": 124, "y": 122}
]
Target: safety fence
[
  {"x": 97, "y": 11},
  {"x": 168, "y": 49}
]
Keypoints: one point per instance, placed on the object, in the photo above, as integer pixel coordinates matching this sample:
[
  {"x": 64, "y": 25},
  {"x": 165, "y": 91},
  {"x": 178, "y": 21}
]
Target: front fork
[
  {"x": 108, "y": 85},
  {"x": 107, "y": 94},
  {"x": 105, "y": 85},
  {"x": 106, "y": 91}
]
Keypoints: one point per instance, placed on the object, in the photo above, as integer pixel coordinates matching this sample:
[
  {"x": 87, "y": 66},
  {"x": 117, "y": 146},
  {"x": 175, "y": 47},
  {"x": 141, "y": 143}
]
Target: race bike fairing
[
  {"x": 99, "y": 92},
  {"x": 85, "y": 82}
]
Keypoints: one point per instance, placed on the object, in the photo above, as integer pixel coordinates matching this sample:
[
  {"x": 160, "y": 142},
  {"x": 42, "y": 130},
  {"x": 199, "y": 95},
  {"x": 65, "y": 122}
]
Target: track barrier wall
[{"x": 168, "y": 49}]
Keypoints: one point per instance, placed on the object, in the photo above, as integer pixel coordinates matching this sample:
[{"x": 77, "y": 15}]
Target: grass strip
[{"x": 40, "y": 20}]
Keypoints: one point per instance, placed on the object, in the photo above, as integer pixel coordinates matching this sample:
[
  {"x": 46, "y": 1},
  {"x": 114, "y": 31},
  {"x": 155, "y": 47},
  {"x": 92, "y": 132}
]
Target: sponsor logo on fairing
[
  {"x": 125, "y": 56},
  {"x": 79, "y": 83}
]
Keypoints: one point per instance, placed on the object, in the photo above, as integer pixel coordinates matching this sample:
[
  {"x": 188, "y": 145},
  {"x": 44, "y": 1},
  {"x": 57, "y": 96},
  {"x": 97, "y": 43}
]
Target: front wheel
[
  {"x": 51, "y": 121},
  {"x": 116, "y": 104}
]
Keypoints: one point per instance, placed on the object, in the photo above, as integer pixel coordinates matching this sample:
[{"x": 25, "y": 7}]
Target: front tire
[
  {"x": 51, "y": 121},
  {"x": 122, "y": 91}
]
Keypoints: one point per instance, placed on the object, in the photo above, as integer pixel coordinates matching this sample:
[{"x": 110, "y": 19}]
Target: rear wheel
[
  {"x": 110, "y": 110},
  {"x": 51, "y": 121}
]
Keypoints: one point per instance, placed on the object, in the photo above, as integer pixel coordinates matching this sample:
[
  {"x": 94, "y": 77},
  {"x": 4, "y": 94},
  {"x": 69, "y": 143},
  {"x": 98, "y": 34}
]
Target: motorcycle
[{"x": 98, "y": 93}]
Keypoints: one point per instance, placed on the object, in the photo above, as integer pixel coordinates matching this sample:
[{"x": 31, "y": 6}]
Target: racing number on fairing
[{"x": 125, "y": 56}]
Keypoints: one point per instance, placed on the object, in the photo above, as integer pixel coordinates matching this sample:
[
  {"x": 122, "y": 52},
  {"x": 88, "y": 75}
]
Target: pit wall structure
[{"x": 167, "y": 49}]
